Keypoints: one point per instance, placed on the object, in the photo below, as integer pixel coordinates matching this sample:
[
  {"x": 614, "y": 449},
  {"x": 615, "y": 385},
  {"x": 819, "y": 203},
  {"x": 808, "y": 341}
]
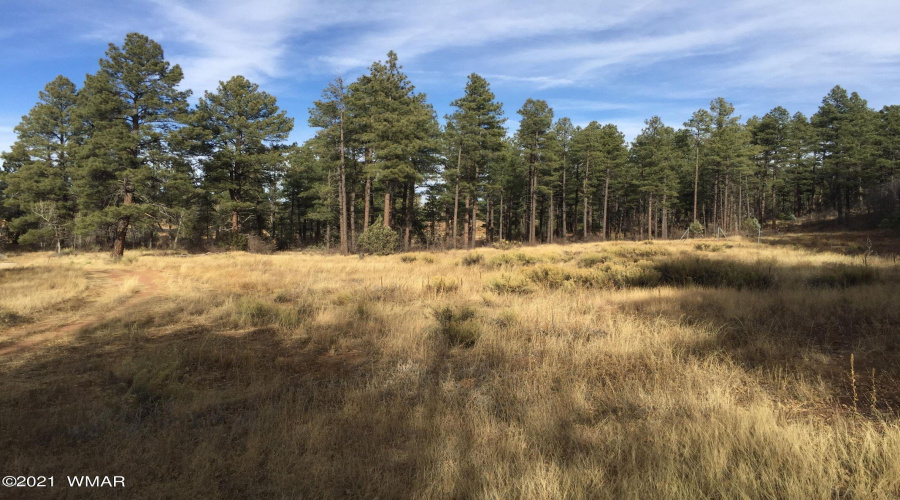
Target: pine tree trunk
[
  {"x": 456, "y": 198},
  {"x": 367, "y": 202},
  {"x": 466, "y": 223},
  {"x": 501, "y": 218},
  {"x": 551, "y": 219},
  {"x": 474, "y": 209},
  {"x": 605, "y": 203},
  {"x": 696, "y": 178},
  {"x": 665, "y": 218},
  {"x": 650, "y": 217},
  {"x": 563, "y": 230},
  {"x": 774, "y": 210},
  {"x": 532, "y": 223},
  {"x": 585, "y": 198},
  {"x": 345, "y": 245},
  {"x": 411, "y": 193},
  {"x": 387, "y": 205},
  {"x": 352, "y": 220},
  {"x": 122, "y": 225}
]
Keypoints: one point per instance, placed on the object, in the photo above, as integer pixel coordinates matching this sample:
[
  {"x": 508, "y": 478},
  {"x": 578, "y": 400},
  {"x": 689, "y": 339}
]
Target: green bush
[
  {"x": 696, "y": 228},
  {"x": 458, "y": 325},
  {"x": 378, "y": 239},
  {"x": 750, "y": 226}
]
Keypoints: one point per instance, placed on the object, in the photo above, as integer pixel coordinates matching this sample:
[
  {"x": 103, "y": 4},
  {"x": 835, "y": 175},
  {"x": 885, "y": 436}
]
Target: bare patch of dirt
[{"x": 58, "y": 327}]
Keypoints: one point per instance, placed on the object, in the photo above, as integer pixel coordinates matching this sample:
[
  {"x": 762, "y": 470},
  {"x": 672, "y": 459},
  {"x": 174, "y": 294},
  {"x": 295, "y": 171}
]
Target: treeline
[{"x": 126, "y": 161}]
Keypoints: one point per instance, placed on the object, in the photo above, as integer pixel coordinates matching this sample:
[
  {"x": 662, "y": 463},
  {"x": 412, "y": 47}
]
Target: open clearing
[{"x": 694, "y": 369}]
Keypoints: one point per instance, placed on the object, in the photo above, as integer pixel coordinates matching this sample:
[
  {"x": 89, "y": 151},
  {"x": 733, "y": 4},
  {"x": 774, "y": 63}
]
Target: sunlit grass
[{"x": 597, "y": 370}]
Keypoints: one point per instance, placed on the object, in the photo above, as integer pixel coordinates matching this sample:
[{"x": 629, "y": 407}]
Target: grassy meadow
[{"x": 685, "y": 369}]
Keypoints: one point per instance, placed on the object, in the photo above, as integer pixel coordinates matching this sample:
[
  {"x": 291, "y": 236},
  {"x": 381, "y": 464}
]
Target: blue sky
[{"x": 618, "y": 62}]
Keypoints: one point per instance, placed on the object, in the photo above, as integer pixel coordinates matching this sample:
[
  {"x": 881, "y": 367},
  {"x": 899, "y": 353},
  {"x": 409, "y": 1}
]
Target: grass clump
[
  {"x": 513, "y": 259},
  {"x": 9, "y": 318},
  {"x": 440, "y": 285},
  {"x": 592, "y": 259},
  {"x": 712, "y": 273},
  {"x": 707, "y": 247},
  {"x": 472, "y": 259},
  {"x": 643, "y": 252},
  {"x": 844, "y": 276},
  {"x": 511, "y": 283},
  {"x": 408, "y": 258},
  {"x": 556, "y": 277},
  {"x": 458, "y": 325}
]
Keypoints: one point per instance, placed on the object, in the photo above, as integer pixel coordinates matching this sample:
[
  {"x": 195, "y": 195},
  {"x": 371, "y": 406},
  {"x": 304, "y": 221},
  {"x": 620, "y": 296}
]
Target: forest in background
[{"x": 126, "y": 161}]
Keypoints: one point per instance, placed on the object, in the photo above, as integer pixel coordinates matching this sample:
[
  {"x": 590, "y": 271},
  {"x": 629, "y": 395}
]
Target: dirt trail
[{"x": 56, "y": 327}]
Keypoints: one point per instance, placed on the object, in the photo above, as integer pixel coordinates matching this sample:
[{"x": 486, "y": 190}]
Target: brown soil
[{"x": 60, "y": 327}]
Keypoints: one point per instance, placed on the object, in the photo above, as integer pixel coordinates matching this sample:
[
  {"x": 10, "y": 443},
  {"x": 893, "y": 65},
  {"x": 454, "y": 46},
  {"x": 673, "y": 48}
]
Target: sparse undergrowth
[{"x": 598, "y": 370}]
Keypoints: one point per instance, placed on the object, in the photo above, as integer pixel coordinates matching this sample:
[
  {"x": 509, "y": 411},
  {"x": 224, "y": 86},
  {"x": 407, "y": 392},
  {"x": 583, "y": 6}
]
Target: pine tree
[
  {"x": 476, "y": 132},
  {"x": 128, "y": 108},
  {"x": 654, "y": 154},
  {"x": 330, "y": 115},
  {"x": 728, "y": 159},
  {"x": 241, "y": 123},
  {"x": 397, "y": 128},
  {"x": 564, "y": 132},
  {"x": 699, "y": 127},
  {"x": 535, "y": 140},
  {"x": 38, "y": 185},
  {"x": 847, "y": 136}
]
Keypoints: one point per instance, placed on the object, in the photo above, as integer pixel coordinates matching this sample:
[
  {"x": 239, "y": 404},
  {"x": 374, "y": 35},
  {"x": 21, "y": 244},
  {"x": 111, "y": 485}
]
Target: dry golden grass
[{"x": 560, "y": 371}]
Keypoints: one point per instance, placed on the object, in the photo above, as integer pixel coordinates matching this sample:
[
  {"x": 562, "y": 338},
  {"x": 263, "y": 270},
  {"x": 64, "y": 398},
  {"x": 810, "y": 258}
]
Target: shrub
[
  {"x": 472, "y": 258},
  {"x": 592, "y": 259},
  {"x": 551, "y": 277},
  {"x": 458, "y": 325},
  {"x": 719, "y": 274},
  {"x": 511, "y": 283},
  {"x": 843, "y": 276},
  {"x": 378, "y": 239},
  {"x": 260, "y": 244},
  {"x": 407, "y": 258},
  {"x": 696, "y": 228},
  {"x": 236, "y": 241},
  {"x": 428, "y": 259},
  {"x": 750, "y": 225},
  {"x": 513, "y": 259}
]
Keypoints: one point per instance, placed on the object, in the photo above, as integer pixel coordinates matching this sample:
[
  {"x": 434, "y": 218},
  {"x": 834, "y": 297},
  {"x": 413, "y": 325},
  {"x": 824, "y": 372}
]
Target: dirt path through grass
[{"x": 145, "y": 284}]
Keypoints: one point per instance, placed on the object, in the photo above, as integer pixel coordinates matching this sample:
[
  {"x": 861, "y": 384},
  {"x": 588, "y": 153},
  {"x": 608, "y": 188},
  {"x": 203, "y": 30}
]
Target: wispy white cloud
[
  {"x": 7, "y": 135},
  {"x": 217, "y": 40},
  {"x": 538, "y": 82}
]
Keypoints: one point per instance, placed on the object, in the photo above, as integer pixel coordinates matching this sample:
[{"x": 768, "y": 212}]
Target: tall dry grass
[{"x": 561, "y": 371}]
